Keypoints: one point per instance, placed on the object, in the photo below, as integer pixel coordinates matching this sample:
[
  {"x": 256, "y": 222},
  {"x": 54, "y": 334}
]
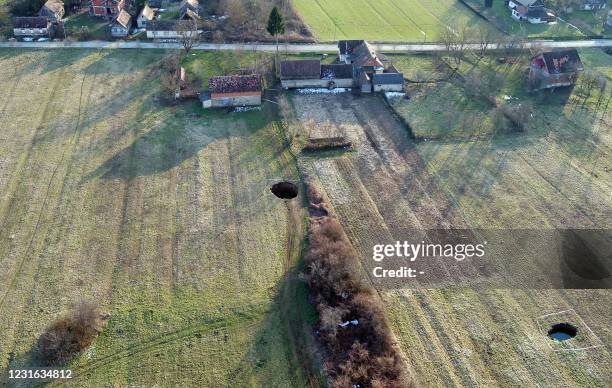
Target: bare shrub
[
  {"x": 71, "y": 334},
  {"x": 361, "y": 354}
]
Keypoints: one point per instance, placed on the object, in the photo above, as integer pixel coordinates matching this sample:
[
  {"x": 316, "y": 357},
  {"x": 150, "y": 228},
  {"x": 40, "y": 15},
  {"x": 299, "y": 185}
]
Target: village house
[
  {"x": 108, "y": 8},
  {"x": 532, "y": 11},
  {"x": 554, "y": 69},
  {"x": 361, "y": 67},
  {"x": 146, "y": 15},
  {"x": 367, "y": 63},
  {"x": 189, "y": 9},
  {"x": 32, "y": 26},
  {"x": 170, "y": 29},
  {"x": 121, "y": 25},
  {"x": 345, "y": 49},
  {"x": 232, "y": 91},
  {"x": 53, "y": 10},
  {"x": 593, "y": 5}
]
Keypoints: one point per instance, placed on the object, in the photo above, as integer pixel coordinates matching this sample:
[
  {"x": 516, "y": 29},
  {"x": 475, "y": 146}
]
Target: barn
[
  {"x": 305, "y": 73},
  {"x": 309, "y": 73},
  {"x": 232, "y": 91}
]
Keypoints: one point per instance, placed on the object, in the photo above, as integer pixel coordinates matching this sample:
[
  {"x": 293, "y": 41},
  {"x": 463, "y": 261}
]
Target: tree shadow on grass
[{"x": 175, "y": 139}]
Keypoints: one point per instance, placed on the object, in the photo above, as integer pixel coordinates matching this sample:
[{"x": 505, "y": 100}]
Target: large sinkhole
[
  {"x": 284, "y": 190},
  {"x": 562, "y": 331}
]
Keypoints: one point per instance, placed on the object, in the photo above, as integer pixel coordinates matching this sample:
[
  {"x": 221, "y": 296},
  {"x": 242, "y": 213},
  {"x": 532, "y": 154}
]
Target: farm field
[
  {"x": 547, "y": 178},
  {"x": 162, "y": 214},
  {"x": 386, "y": 20}
]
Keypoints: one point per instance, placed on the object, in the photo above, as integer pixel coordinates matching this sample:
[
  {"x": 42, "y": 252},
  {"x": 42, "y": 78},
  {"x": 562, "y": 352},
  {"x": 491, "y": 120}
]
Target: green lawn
[
  {"x": 384, "y": 20},
  {"x": 443, "y": 110},
  {"x": 99, "y": 28},
  {"x": 159, "y": 212},
  {"x": 591, "y": 22}
]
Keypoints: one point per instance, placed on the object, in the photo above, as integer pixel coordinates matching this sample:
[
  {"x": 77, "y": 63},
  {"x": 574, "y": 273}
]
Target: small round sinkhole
[
  {"x": 284, "y": 190},
  {"x": 562, "y": 331}
]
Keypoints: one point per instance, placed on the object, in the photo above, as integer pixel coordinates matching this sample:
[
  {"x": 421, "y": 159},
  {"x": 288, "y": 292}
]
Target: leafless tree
[
  {"x": 189, "y": 36},
  {"x": 484, "y": 37},
  {"x": 237, "y": 13},
  {"x": 456, "y": 41}
]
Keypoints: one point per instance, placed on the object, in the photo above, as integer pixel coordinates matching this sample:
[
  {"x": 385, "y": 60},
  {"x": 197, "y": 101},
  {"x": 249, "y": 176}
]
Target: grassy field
[
  {"x": 160, "y": 213},
  {"x": 443, "y": 110},
  {"x": 387, "y": 20},
  {"x": 554, "y": 175}
]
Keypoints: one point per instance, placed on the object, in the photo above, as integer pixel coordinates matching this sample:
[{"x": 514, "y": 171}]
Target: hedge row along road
[{"x": 293, "y": 47}]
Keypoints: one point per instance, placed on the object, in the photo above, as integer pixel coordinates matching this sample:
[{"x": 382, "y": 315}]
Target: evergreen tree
[{"x": 276, "y": 25}]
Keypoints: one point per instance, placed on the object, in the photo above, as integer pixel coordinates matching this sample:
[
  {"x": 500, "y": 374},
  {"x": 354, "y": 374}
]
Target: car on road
[
  {"x": 28, "y": 39},
  {"x": 42, "y": 39}
]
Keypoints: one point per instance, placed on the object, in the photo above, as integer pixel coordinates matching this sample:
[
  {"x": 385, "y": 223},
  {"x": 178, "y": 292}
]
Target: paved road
[{"x": 293, "y": 47}]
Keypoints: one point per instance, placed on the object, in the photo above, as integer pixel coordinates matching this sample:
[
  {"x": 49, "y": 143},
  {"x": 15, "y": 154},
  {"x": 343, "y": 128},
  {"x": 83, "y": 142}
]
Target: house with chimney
[
  {"x": 554, "y": 69},
  {"x": 359, "y": 66},
  {"x": 371, "y": 70}
]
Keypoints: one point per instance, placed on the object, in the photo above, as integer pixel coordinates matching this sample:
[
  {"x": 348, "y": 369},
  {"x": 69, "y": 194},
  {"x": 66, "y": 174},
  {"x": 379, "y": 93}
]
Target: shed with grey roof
[{"x": 388, "y": 82}]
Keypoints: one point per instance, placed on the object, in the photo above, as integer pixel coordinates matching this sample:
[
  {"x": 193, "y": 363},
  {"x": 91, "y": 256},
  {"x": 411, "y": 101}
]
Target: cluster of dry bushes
[
  {"x": 361, "y": 354},
  {"x": 328, "y": 143},
  {"x": 246, "y": 21},
  {"x": 71, "y": 334}
]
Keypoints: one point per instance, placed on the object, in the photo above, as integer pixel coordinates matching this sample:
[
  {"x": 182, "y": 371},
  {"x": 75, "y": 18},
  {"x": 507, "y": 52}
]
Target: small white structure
[
  {"x": 388, "y": 82},
  {"x": 170, "y": 29},
  {"x": 36, "y": 26}
]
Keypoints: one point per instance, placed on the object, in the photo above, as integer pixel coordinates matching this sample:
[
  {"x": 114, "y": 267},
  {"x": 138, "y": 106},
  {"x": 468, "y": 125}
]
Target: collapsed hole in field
[
  {"x": 562, "y": 331},
  {"x": 284, "y": 190}
]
